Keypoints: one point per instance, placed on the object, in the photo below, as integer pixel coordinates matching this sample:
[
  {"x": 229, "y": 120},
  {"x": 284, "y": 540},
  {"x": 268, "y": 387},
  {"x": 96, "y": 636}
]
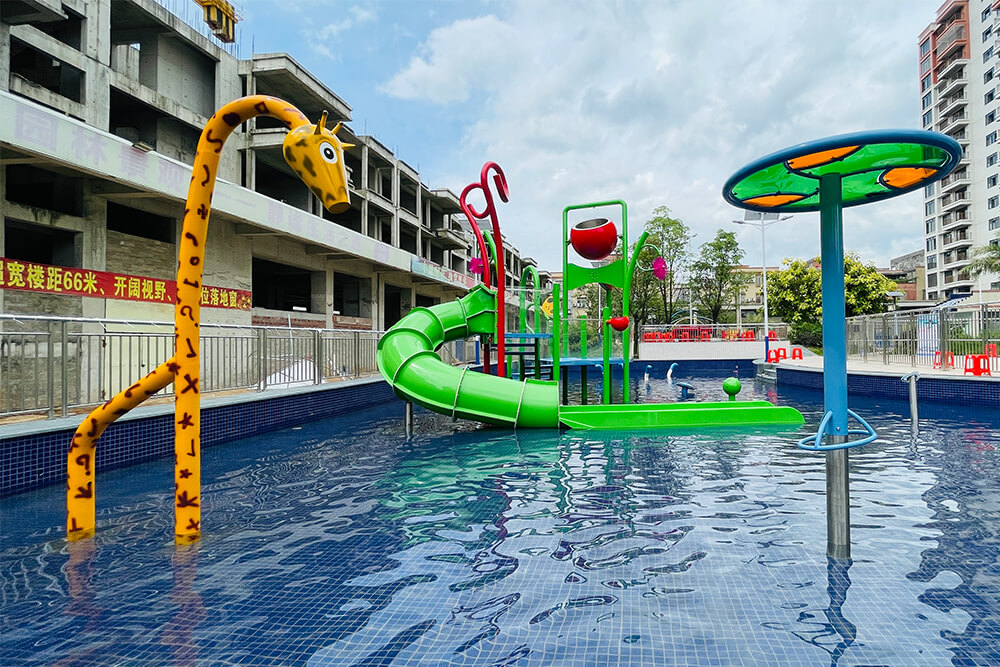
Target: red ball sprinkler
[
  {"x": 594, "y": 239},
  {"x": 618, "y": 323}
]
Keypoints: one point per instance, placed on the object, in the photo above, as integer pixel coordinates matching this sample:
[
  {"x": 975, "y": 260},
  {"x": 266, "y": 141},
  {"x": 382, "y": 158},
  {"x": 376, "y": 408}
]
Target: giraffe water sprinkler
[
  {"x": 317, "y": 156},
  {"x": 326, "y": 177}
]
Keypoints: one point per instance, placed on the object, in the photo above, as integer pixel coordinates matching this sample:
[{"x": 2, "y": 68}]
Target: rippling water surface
[{"x": 340, "y": 543}]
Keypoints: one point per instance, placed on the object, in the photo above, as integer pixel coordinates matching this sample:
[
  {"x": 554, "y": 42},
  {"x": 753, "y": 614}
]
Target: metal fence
[
  {"x": 924, "y": 337},
  {"x": 50, "y": 365}
]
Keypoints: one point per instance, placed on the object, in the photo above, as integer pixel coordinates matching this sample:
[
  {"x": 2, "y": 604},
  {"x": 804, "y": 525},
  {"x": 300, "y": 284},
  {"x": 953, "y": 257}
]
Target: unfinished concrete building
[{"x": 102, "y": 103}]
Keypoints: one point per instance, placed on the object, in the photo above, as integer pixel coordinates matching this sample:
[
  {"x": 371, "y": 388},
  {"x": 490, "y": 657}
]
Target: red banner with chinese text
[{"x": 20, "y": 275}]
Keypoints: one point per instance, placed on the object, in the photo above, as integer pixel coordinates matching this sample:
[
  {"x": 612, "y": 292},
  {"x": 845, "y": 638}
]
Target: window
[
  {"x": 989, "y": 96},
  {"x": 987, "y": 54},
  {"x": 925, "y": 65},
  {"x": 985, "y": 15},
  {"x": 993, "y": 201},
  {"x": 929, "y": 226},
  {"x": 929, "y": 190},
  {"x": 991, "y": 182},
  {"x": 991, "y": 138},
  {"x": 925, "y": 47},
  {"x": 928, "y": 118},
  {"x": 994, "y": 223},
  {"x": 931, "y": 261},
  {"x": 931, "y": 244},
  {"x": 991, "y": 159},
  {"x": 932, "y": 280},
  {"x": 990, "y": 117},
  {"x": 987, "y": 33},
  {"x": 929, "y": 208},
  {"x": 925, "y": 83},
  {"x": 994, "y": 285},
  {"x": 926, "y": 102},
  {"x": 988, "y": 76}
]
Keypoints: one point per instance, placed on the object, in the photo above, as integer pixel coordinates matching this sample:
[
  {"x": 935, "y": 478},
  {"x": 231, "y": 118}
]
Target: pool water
[{"x": 342, "y": 543}]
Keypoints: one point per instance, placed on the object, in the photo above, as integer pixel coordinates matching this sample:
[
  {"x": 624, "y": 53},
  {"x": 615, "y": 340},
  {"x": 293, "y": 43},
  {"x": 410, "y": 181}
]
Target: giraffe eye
[{"x": 328, "y": 152}]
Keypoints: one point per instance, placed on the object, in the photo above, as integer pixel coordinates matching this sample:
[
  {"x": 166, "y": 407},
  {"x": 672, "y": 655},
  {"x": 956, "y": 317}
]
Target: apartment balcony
[
  {"x": 952, "y": 202},
  {"x": 952, "y": 103},
  {"x": 955, "y": 219},
  {"x": 956, "y": 180},
  {"x": 954, "y": 123},
  {"x": 960, "y": 277},
  {"x": 957, "y": 240},
  {"x": 961, "y": 257},
  {"x": 951, "y": 41},
  {"x": 949, "y": 86}
]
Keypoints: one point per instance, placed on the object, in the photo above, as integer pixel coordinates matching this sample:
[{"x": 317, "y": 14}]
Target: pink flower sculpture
[
  {"x": 660, "y": 268},
  {"x": 476, "y": 266}
]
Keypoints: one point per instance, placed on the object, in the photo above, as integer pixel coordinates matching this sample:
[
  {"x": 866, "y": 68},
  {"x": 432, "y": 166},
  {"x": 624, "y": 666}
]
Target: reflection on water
[{"x": 468, "y": 546}]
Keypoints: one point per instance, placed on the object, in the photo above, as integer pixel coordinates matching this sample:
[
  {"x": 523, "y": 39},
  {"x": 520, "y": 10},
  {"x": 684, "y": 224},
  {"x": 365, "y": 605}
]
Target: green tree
[
  {"x": 795, "y": 293},
  {"x": 715, "y": 274},
  {"x": 985, "y": 259},
  {"x": 673, "y": 238}
]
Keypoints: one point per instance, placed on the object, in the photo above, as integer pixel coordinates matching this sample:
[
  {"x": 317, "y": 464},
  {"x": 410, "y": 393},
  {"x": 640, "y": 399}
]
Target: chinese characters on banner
[{"x": 19, "y": 275}]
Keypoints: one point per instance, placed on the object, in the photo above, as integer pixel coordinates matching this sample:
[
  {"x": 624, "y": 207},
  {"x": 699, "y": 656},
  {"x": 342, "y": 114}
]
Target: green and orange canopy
[{"x": 871, "y": 166}]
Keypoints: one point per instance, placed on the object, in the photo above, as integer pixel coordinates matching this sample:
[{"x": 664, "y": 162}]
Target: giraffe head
[{"x": 317, "y": 156}]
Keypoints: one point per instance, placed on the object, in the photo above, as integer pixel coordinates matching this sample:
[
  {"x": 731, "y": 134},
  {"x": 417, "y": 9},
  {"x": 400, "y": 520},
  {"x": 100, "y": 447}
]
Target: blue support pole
[
  {"x": 838, "y": 501},
  {"x": 834, "y": 304}
]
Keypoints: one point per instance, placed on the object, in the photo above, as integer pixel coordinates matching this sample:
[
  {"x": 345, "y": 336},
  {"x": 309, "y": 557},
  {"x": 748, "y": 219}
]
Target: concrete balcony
[
  {"x": 949, "y": 86},
  {"x": 957, "y": 239},
  {"x": 955, "y": 123},
  {"x": 955, "y": 180},
  {"x": 955, "y": 219},
  {"x": 952, "y": 104},
  {"x": 953, "y": 202},
  {"x": 450, "y": 240}
]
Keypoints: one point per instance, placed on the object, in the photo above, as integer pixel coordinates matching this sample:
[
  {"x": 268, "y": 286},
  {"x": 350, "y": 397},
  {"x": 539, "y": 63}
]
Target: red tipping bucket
[{"x": 594, "y": 239}]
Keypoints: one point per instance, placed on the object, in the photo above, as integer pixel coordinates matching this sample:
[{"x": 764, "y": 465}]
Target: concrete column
[
  {"x": 321, "y": 299},
  {"x": 4, "y": 56}
]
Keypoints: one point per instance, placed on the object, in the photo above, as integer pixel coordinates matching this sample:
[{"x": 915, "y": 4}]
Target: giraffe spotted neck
[{"x": 316, "y": 155}]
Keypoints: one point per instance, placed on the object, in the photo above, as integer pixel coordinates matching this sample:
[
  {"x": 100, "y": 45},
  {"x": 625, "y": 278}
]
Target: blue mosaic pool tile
[
  {"x": 941, "y": 390},
  {"x": 31, "y": 461}
]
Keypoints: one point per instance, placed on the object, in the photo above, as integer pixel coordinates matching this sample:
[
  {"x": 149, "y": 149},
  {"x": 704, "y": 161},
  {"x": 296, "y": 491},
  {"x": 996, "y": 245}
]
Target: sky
[{"x": 653, "y": 102}]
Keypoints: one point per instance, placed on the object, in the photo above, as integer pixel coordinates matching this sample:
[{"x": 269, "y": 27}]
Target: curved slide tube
[{"x": 408, "y": 361}]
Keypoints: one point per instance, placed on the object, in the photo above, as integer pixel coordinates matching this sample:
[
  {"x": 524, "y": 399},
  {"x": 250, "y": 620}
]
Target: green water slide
[{"x": 408, "y": 361}]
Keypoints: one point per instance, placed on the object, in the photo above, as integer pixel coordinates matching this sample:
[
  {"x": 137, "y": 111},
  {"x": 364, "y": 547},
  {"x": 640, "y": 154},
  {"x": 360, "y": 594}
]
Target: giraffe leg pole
[{"x": 81, "y": 513}]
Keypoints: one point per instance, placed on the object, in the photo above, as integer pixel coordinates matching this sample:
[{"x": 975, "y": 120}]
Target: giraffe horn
[
  {"x": 321, "y": 124},
  {"x": 346, "y": 146},
  {"x": 335, "y": 129}
]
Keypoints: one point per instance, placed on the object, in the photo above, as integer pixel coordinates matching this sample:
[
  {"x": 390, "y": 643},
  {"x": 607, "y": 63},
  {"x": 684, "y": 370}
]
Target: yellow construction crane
[{"x": 222, "y": 18}]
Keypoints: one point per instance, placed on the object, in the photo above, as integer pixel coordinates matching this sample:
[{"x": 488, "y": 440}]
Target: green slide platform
[
  {"x": 408, "y": 361},
  {"x": 677, "y": 415}
]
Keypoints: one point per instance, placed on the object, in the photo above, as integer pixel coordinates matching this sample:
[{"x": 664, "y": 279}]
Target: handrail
[{"x": 817, "y": 439}]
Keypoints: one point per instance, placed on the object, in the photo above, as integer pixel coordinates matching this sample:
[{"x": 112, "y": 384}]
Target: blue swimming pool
[{"x": 340, "y": 543}]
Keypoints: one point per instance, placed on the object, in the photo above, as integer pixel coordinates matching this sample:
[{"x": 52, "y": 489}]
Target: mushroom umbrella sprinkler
[{"x": 829, "y": 175}]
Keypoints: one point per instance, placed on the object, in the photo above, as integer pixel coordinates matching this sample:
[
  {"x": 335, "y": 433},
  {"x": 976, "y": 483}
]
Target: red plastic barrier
[{"x": 796, "y": 353}]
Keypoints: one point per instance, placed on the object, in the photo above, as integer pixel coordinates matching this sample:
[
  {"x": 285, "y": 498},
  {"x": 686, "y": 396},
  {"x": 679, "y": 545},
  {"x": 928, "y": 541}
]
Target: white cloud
[
  {"x": 659, "y": 103},
  {"x": 321, "y": 39}
]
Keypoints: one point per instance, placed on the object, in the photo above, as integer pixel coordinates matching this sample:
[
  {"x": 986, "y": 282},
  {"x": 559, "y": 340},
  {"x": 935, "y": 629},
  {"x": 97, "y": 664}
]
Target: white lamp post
[{"x": 762, "y": 220}]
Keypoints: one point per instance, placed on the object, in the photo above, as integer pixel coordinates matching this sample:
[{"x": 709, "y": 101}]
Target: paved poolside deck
[{"x": 855, "y": 366}]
